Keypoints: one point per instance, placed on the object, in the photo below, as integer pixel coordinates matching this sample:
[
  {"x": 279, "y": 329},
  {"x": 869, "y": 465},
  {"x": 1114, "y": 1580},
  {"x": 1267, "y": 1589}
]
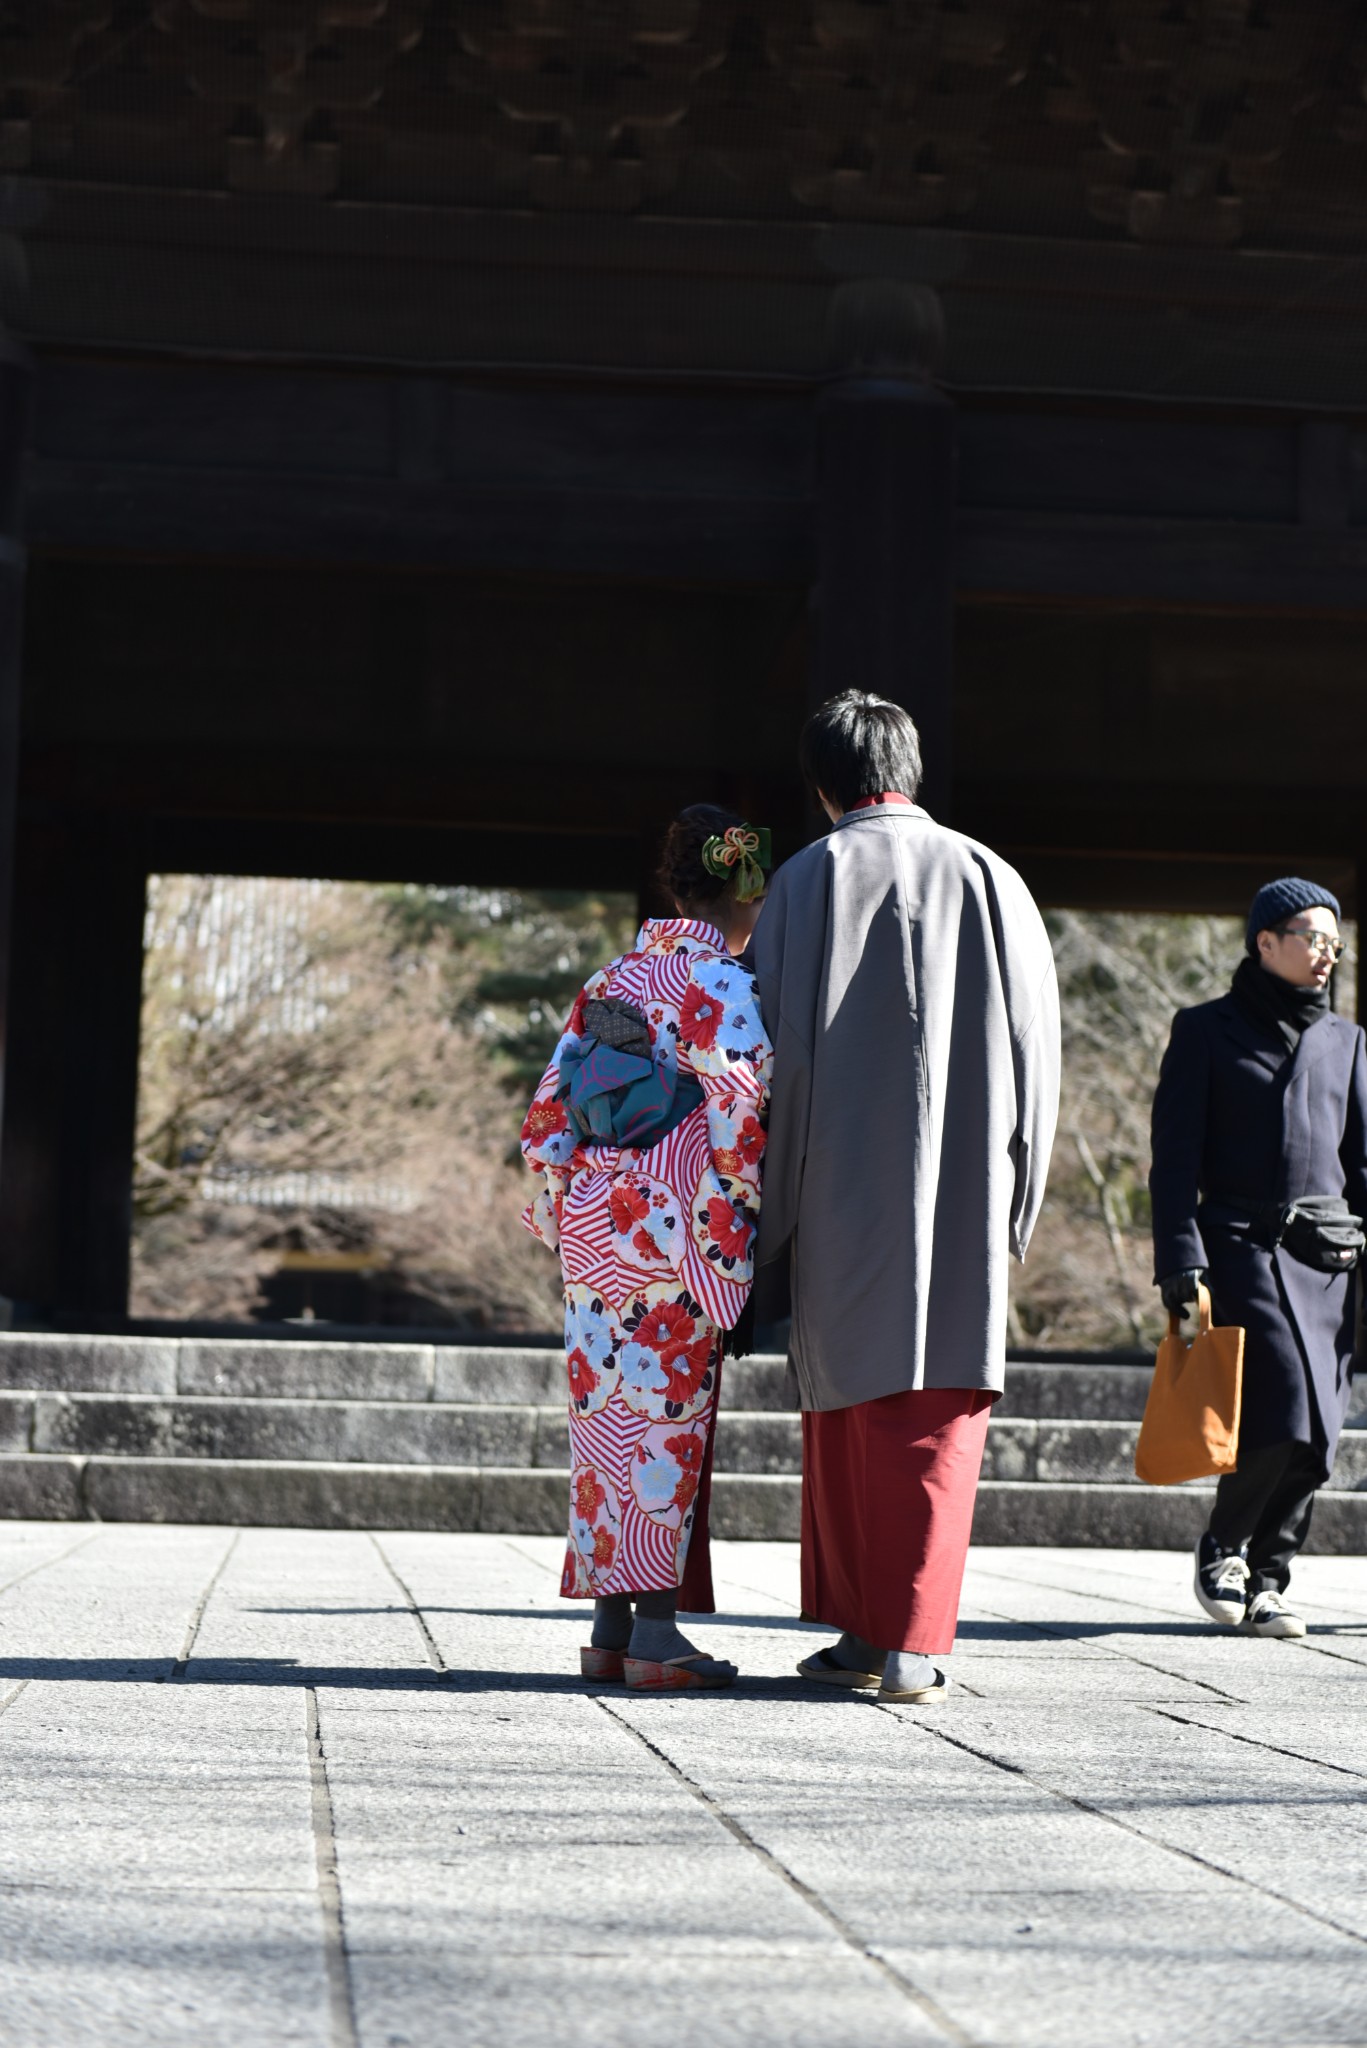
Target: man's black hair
[{"x": 859, "y": 745}]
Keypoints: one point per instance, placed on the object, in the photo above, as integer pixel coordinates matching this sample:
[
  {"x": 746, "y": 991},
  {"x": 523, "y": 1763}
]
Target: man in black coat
[{"x": 1261, "y": 1105}]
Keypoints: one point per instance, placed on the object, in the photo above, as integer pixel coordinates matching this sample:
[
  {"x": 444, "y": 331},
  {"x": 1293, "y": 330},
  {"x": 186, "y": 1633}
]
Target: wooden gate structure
[{"x": 441, "y": 436}]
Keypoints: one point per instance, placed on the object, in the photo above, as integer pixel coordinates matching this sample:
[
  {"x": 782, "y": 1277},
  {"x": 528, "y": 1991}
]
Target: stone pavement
[{"x": 301, "y": 1786}]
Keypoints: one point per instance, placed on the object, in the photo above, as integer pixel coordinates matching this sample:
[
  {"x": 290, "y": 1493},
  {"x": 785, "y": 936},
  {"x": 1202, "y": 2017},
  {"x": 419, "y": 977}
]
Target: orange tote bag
[{"x": 1191, "y": 1420}]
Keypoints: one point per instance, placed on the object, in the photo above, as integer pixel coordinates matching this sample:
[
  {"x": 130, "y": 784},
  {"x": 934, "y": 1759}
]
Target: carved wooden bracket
[
  {"x": 1199, "y": 122},
  {"x": 287, "y": 69},
  {"x": 601, "y": 89},
  {"x": 41, "y": 46},
  {"x": 890, "y": 103},
  {"x": 1195, "y": 106}
]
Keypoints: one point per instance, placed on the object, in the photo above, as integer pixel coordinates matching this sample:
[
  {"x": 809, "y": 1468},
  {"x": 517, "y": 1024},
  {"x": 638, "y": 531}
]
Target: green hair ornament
[{"x": 741, "y": 852}]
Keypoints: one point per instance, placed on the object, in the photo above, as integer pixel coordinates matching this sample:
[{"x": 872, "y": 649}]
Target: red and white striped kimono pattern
[{"x": 656, "y": 1251}]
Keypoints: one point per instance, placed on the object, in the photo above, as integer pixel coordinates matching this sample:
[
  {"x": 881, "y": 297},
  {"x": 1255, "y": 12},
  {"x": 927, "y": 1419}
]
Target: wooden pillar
[
  {"x": 66, "y": 1179},
  {"x": 100, "y": 1063},
  {"x": 883, "y": 606},
  {"x": 14, "y": 401}
]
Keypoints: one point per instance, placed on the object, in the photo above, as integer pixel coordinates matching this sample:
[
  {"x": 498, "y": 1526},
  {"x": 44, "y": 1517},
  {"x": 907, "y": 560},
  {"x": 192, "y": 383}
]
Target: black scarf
[{"x": 1278, "y": 1005}]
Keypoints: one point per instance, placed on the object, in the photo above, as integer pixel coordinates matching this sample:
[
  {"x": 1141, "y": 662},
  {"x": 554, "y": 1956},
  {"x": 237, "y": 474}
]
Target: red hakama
[{"x": 887, "y": 1510}]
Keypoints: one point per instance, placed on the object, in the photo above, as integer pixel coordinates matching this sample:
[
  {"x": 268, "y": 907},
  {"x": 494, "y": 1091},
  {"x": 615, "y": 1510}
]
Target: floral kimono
[{"x": 656, "y": 1249}]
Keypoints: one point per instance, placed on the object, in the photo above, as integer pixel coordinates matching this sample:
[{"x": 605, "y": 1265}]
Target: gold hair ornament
[{"x": 742, "y": 852}]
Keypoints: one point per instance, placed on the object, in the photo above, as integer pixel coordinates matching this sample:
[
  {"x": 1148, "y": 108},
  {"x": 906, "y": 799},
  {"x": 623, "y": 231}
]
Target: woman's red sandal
[
  {"x": 643, "y": 1674},
  {"x": 604, "y": 1665}
]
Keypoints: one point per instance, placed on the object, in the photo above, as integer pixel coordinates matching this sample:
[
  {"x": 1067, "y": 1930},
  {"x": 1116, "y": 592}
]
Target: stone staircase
[{"x": 320, "y": 1433}]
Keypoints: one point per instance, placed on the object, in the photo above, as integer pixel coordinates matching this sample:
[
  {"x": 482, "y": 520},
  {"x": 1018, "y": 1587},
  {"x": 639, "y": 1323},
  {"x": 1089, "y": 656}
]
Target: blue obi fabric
[{"x": 622, "y": 1098}]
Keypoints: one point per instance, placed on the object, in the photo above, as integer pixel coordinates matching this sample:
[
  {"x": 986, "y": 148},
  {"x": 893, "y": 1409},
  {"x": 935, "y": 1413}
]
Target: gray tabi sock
[
  {"x": 656, "y": 1634},
  {"x": 611, "y": 1622}
]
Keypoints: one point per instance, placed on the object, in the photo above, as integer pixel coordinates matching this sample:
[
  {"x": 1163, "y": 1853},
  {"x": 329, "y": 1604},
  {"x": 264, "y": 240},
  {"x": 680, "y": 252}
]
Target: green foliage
[{"x": 531, "y": 951}]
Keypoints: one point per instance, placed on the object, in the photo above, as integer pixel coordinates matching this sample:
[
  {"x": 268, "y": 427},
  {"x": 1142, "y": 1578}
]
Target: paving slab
[
  {"x": 411, "y": 2000},
  {"x": 1166, "y": 1971},
  {"x": 346, "y": 1788},
  {"x": 98, "y": 1968}
]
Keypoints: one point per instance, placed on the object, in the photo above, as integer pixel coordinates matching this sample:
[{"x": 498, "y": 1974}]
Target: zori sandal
[
  {"x": 823, "y": 1669},
  {"x": 604, "y": 1665},
  {"x": 643, "y": 1674},
  {"x": 920, "y": 1695}
]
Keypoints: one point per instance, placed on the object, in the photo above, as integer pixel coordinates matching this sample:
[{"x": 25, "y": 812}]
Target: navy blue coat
[{"x": 1237, "y": 1115}]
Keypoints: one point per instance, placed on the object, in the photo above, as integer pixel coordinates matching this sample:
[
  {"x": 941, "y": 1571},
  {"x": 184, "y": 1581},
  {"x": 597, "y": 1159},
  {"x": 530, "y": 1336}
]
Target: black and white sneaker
[
  {"x": 1269, "y": 1615},
  {"x": 1221, "y": 1583}
]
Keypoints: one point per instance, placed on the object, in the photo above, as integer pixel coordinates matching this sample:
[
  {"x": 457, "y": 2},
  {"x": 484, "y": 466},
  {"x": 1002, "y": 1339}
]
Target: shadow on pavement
[
  {"x": 278, "y": 1671},
  {"x": 577, "y": 1612}
]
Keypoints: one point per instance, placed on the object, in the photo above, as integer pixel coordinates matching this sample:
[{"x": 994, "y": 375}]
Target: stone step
[
  {"x": 245, "y": 1368},
  {"x": 526, "y": 1437},
  {"x": 269, "y": 1494}
]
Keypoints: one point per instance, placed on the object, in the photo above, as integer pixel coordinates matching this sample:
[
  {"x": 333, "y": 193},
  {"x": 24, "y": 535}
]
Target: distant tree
[
  {"x": 332, "y": 1066},
  {"x": 338, "y": 1067},
  {"x": 529, "y": 952},
  {"x": 1089, "y": 1278}
]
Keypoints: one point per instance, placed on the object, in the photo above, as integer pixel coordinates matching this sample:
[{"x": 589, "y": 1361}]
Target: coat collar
[
  {"x": 1315, "y": 1043},
  {"x": 1254, "y": 1033},
  {"x": 853, "y": 820},
  {"x": 1256, "y": 1036}
]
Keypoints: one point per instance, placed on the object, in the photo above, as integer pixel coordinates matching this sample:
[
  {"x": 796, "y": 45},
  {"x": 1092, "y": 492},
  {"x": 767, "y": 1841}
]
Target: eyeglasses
[{"x": 1318, "y": 942}]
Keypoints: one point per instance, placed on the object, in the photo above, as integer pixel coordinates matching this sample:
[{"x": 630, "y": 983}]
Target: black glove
[{"x": 1179, "y": 1291}]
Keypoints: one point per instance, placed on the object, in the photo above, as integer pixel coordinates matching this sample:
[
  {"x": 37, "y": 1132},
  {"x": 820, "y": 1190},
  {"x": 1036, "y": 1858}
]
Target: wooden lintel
[{"x": 133, "y": 509}]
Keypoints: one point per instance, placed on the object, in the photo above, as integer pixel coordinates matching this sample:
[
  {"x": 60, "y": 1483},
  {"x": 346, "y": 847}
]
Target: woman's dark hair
[
  {"x": 858, "y": 745},
  {"x": 681, "y": 873}
]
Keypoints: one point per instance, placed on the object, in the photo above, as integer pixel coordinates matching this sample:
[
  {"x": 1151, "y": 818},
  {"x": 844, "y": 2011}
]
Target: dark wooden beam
[
  {"x": 101, "y": 508},
  {"x": 884, "y": 599},
  {"x": 1224, "y": 564},
  {"x": 138, "y": 509},
  {"x": 711, "y": 481},
  {"x": 510, "y": 857},
  {"x": 539, "y": 791},
  {"x": 1098, "y": 878},
  {"x": 128, "y": 266}
]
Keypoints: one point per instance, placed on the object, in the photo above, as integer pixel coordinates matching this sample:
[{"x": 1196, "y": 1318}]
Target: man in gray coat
[{"x": 907, "y": 983}]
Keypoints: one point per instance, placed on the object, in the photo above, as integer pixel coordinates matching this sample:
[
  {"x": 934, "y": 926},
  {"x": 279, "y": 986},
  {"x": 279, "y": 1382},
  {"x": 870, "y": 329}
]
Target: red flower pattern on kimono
[
  {"x": 689, "y": 1452},
  {"x": 686, "y": 1371},
  {"x": 668, "y": 1329},
  {"x": 583, "y": 1378},
  {"x": 628, "y": 1205},
  {"x": 589, "y": 1495},
  {"x": 700, "y": 1018},
  {"x": 543, "y": 1120},
  {"x": 729, "y": 1229},
  {"x": 751, "y": 1140},
  {"x": 656, "y": 1246},
  {"x": 685, "y": 1342}
]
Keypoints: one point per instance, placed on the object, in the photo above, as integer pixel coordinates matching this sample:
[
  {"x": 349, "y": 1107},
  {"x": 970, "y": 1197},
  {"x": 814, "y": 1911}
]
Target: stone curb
[
  {"x": 420, "y": 1374},
  {"x": 747, "y": 1507},
  {"x": 522, "y": 1437}
]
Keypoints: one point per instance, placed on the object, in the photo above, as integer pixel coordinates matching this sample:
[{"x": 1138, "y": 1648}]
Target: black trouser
[{"x": 1264, "y": 1509}]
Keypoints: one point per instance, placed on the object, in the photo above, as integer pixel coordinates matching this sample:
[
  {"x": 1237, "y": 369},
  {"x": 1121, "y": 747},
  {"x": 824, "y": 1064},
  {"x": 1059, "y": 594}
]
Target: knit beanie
[{"x": 1277, "y": 901}]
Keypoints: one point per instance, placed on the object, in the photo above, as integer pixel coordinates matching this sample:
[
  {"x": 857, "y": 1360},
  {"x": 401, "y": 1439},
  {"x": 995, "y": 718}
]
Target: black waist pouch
[{"x": 1321, "y": 1231}]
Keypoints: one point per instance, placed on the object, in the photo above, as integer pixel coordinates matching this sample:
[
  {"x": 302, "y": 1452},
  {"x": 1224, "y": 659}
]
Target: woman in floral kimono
[{"x": 656, "y": 1246}]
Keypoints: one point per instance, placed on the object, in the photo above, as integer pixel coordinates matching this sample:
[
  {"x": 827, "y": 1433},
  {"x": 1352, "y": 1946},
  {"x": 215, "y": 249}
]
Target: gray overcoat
[{"x": 907, "y": 983}]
